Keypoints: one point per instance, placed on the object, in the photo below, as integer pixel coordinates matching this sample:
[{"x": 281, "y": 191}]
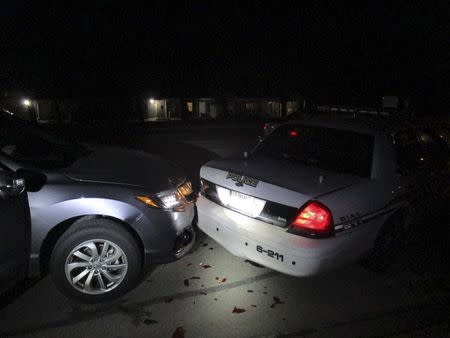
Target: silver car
[
  {"x": 319, "y": 193},
  {"x": 99, "y": 215}
]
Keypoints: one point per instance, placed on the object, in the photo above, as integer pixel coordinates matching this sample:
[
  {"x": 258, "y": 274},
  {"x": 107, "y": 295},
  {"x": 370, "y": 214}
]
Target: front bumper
[
  {"x": 275, "y": 248},
  {"x": 166, "y": 236}
]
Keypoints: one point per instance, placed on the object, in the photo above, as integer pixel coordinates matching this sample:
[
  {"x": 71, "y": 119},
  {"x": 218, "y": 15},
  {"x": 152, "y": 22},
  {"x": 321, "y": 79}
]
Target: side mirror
[
  {"x": 11, "y": 185},
  {"x": 34, "y": 181}
]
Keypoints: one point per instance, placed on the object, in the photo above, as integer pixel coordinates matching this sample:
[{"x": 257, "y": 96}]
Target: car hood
[
  {"x": 125, "y": 167},
  {"x": 309, "y": 181}
]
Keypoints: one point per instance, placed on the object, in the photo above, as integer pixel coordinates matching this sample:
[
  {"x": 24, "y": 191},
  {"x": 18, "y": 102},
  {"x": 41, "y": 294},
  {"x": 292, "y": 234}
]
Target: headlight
[{"x": 170, "y": 200}]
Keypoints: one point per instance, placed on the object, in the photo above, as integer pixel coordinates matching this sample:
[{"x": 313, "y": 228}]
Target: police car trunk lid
[{"x": 284, "y": 182}]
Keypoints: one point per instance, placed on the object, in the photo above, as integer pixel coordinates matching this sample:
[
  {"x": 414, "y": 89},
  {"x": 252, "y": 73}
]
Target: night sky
[{"x": 331, "y": 52}]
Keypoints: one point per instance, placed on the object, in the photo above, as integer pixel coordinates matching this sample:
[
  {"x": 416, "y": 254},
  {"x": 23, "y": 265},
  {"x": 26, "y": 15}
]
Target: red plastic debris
[
  {"x": 179, "y": 332},
  {"x": 238, "y": 310},
  {"x": 223, "y": 280},
  {"x": 206, "y": 266}
]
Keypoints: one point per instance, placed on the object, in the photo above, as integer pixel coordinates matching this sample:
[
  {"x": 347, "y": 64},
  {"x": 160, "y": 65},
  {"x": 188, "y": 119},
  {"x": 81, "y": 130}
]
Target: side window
[{"x": 408, "y": 151}]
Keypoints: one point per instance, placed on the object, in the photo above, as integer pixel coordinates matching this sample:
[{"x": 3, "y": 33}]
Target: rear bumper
[{"x": 277, "y": 249}]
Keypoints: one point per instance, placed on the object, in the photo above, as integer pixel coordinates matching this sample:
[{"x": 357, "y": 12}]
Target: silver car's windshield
[{"x": 326, "y": 148}]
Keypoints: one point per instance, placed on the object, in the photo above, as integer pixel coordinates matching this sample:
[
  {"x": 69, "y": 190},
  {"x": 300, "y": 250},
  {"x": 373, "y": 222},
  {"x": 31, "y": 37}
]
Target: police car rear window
[{"x": 326, "y": 148}]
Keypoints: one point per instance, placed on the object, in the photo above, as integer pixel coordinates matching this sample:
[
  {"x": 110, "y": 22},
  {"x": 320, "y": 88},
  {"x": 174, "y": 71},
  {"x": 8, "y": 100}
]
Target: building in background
[
  {"x": 219, "y": 108},
  {"x": 141, "y": 108},
  {"x": 163, "y": 109},
  {"x": 21, "y": 106}
]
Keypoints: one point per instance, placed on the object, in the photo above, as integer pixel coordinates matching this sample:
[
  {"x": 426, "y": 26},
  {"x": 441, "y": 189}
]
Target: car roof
[{"x": 370, "y": 126}]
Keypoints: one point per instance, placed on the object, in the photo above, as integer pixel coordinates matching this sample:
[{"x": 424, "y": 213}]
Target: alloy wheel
[{"x": 96, "y": 266}]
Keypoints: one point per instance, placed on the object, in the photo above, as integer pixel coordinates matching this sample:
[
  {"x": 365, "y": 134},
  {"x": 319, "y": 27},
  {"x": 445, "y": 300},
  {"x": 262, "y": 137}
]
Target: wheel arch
[{"x": 58, "y": 230}]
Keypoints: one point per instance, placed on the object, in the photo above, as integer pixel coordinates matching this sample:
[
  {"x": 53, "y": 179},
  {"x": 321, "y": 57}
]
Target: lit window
[
  {"x": 250, "y": 106},
  {"x": 190, "y": 107},
  {"x": 291, "y": 107}
]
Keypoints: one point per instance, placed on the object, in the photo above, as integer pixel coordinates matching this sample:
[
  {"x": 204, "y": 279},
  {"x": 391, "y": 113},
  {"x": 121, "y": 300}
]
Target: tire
[
  {"x": 79, "y": 263},
  {"x": 388, "y": 245}
]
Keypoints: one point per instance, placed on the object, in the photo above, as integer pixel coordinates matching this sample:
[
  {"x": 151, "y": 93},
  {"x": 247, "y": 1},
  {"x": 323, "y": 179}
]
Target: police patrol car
[{"x": 321, "y": 192}]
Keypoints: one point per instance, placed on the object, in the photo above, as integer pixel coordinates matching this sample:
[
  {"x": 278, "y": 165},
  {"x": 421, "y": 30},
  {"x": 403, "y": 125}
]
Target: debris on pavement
[
  {"x": 169, "y": 300},
  {"x": 206, "y": 266},
  {"x": 195, "y": 277},
  {"x": 186, "y": 282},
  {"x": 223, "y": 280},
  {"x": 179, "y": 332},
  {"x": 204, "y": 244},
  {"x": 277, "y": 301},
  {"x": 203, "y": 292},
  {"x": 189, "y": 264},
  {"x": 150, "y": 321},
  {"x": 250, "y": 291},
  {"x": 253, "y": 305},
  {"x": 137, "y": 313},
  {"x": 238, "y": 310}
]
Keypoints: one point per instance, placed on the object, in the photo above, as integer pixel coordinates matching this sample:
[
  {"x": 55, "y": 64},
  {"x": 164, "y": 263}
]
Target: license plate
[
  {"x": 247, "y": 204},
  {"x": 270, "y": 253}
]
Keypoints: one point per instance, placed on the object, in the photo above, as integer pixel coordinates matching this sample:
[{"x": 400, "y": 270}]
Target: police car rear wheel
[{"x": 388, "y": 245}]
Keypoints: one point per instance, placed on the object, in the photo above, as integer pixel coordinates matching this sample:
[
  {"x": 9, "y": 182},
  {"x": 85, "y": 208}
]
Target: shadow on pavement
[{"x": 16, "y": 291}]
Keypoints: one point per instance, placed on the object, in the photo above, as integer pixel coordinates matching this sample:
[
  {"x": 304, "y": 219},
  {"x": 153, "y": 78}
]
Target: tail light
[{"x": 314, "y": 220}]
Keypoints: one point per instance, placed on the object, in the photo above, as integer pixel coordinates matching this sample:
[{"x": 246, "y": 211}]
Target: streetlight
[
  {"x": 26, "y": 102},
  {"x": 152, "y": 101}
]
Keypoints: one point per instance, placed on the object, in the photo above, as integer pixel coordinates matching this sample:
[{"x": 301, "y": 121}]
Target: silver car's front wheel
[
  {"x": 96, "y": 260},
  {"x": 96, "y": 266}
]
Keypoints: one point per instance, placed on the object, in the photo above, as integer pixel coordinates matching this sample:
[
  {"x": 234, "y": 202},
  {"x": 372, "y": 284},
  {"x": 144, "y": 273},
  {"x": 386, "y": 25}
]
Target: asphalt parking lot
[{"x": 211, "y": 293}]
